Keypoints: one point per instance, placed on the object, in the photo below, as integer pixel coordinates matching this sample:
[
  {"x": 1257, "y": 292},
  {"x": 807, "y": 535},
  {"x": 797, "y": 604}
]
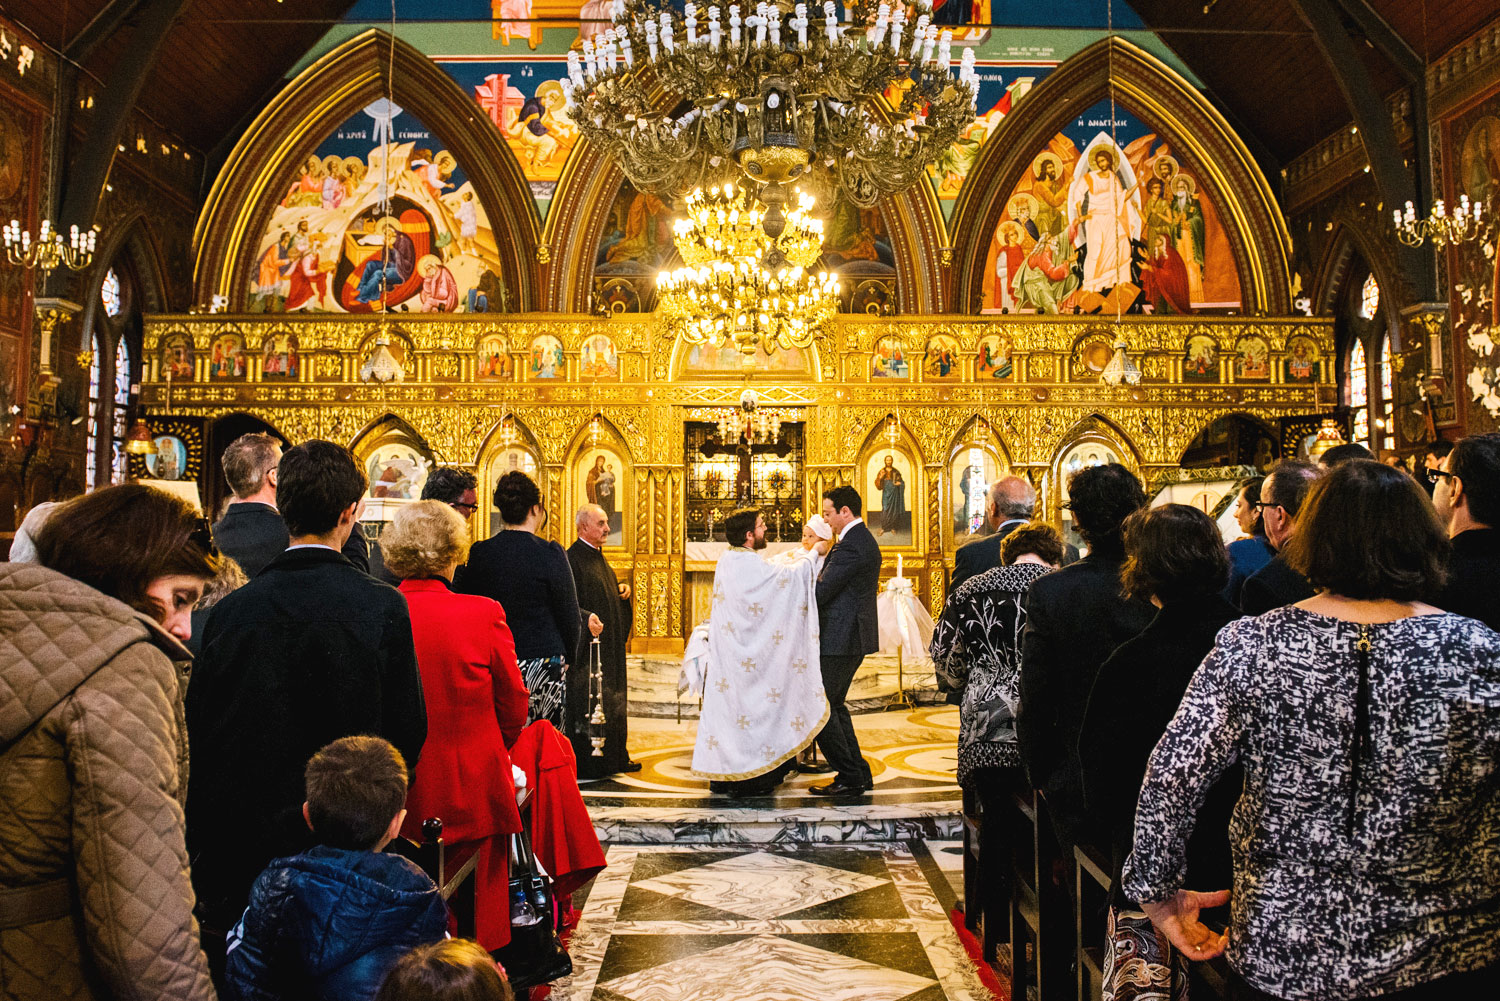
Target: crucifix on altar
[{"x": 728, "y": 468}]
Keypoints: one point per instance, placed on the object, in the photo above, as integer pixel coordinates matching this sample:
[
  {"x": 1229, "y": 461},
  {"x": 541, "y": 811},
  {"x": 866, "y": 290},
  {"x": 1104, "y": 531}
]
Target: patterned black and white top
[
  {"x": 1367, "y": 841},
  {"x": 976, "y": 649}
]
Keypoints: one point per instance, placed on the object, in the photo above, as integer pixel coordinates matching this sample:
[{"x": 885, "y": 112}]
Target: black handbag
[{"x": 535, "y": 954}]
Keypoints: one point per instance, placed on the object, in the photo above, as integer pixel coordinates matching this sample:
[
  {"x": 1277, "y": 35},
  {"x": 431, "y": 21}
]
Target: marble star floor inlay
[{"x": 821, "y": 922}]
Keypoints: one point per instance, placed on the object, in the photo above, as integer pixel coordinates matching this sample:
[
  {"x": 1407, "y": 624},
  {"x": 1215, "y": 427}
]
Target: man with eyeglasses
[
  {"x": 1466, "y": 493},
  {"x": 1281, "y": 497},
  {"x": 453, "y": 486}
]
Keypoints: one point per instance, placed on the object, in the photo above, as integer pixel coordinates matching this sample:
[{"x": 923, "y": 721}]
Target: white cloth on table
[
  {"x": 903, "y": 621},
  {"x": 756, "y": 663}
]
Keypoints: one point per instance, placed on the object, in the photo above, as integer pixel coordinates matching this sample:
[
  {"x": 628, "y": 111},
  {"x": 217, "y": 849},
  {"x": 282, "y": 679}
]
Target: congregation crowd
[
  {"x": 1288, "y": 748},
  {"x": 330, "y": 717}
]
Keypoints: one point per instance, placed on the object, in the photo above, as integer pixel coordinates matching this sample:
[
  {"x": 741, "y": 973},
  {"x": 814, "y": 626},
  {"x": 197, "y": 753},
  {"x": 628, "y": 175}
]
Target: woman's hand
[
  {"x": 595, "y": 625},
  {"x": 1177, "y": 918}
]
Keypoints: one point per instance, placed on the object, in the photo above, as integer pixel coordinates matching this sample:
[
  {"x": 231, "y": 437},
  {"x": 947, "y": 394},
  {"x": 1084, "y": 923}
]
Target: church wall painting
[
  {"x": 970, "y": 473},
  {"x": 1254, "y": 361},
  {"x": 601, "y": 480},
  {"x": 1471, "y": 165},
  {"x": 598, "y": 359},
  {"x": 940, "y": 361},
  {"x": 856, "y": 243},
  {"x": 226, "y": 357},
  {"x": 177, "y": 358},
  {"x": 724, "y": 359},
  {"x": 1201, "y": 362},
  {"x": 1301, "y": 364},
  {"x": 280, "y": 358},
  {"x": 546, "y": 360},
  {"x": 514, "y": 458},
  {"x": 889, "y": 361},
  {"x": 492, "y": 361},
  {"x": 889, "y": 488},
  {"x": 397, "y": 471},
  {"x": 1104, "y": 219},
  {"x": 637, "y": 235},
  {"x": 380, "y": 216},
  {"x": 993, "y": 359},
  {"x": 171, "y": 459}
]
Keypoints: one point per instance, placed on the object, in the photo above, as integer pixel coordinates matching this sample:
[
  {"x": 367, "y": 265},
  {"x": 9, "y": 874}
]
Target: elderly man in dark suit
[
  {"x": 1008, "y": 505},
  {"x": 850, "y": 629},
  {"x": 251, "y": 532},
  {"x": 311, "y": 650}
]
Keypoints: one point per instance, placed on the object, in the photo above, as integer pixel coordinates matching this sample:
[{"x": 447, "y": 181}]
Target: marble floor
[
  {"x": 849, "y": 922},
  {"x": 776, "y": 898}
]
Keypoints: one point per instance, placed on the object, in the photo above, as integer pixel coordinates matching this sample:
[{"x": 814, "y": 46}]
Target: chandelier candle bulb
[
  {"x": 690, "y": 17},
  {"x": 734, "y": 25},
  {"x": 945, "y": 50},
  {"x": 715, "y": 34},
  {"x": 917, "y": 35}
]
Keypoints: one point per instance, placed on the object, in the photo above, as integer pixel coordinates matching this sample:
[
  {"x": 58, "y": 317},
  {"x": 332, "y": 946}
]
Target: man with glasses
[
  {"x": 453, "y": 486},
  {"x": 1466, "y": 493},
  {"x": 1281, "y": 497}
]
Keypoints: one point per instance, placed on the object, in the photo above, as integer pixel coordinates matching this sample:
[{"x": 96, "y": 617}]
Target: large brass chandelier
[
  {"x": 742, "y": 285},
  {"x": 860, "y": 104}
]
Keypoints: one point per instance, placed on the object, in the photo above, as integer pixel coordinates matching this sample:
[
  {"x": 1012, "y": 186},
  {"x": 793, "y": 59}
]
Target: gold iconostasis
[{"x": 508, "y": 324}]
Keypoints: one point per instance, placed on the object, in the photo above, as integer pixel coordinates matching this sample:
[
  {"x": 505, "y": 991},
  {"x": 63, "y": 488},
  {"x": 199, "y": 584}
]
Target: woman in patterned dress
[{"x": 1366, "y": 843}]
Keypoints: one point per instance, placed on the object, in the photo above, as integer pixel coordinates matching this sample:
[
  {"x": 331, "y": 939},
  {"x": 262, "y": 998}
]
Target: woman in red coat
[{"x": 476, "y": 704}]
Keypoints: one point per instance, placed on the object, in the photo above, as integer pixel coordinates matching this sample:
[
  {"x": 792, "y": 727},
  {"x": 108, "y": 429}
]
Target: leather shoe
[
  {"x": 631, "y": 766},
  {"x": 839, "y": 788},
  {"x": 810, "y": 768}
]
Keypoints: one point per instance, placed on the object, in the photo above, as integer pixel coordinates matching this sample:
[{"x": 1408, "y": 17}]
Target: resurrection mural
[
  {"x": 1105, "y": 220},
  {"x": 379, "y": 217}
]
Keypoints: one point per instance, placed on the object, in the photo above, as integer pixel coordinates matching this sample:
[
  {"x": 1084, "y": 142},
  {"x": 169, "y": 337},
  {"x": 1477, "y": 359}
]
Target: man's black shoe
[
  {"x": 838, "y": 788},
  {"x": 813, "y": 768},
  {"x": 630, "y": 766}
]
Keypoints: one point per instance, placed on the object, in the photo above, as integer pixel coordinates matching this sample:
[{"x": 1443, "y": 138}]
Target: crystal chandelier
[
  {"x": 862, "y": 104},
  {"x": 49, "y": 250},
  {"x": 740, "y": 284},
  {"x": 749, "y": 424},
  {"x": 1440, "y": 227}
]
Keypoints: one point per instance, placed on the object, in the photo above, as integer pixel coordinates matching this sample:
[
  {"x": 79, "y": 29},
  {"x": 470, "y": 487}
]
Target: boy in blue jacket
[{"x": 331, "y": 922}]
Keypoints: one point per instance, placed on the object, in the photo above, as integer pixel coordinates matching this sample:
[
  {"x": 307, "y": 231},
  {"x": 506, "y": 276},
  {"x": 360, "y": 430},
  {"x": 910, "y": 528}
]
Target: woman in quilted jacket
[{"x": 95, "y": 900}]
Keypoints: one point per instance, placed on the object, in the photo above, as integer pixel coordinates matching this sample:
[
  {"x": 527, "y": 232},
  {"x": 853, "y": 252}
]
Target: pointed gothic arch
[
  {"x": 586, "y": 191},
  {"x": 1203, "y": 142},
  {"x": 266, "y": 159}
]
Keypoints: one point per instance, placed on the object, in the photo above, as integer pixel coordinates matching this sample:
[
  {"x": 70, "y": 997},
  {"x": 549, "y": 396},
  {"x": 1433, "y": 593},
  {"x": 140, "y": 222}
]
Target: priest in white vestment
[{"x": 755, "y": 661}]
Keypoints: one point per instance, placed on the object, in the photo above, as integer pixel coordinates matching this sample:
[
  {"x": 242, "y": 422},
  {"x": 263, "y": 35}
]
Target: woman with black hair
[
  {"x": 1366, "y": 843},
  {"x": 1174, "y": 558},
  {"x": 533, "y": 582}
]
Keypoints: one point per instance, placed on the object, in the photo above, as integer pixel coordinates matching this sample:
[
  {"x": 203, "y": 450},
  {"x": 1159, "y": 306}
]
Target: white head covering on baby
[{"x": 820, "y": 527}]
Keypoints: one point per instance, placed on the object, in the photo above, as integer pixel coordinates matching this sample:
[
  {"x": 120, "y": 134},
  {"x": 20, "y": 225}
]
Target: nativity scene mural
[
  {"x": 379, "y": 218},
  {"x": 1105, "y": 220}
]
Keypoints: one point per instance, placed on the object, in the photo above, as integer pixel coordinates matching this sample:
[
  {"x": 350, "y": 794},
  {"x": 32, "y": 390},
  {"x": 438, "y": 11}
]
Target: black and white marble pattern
[{"x": 847, "y": 922}]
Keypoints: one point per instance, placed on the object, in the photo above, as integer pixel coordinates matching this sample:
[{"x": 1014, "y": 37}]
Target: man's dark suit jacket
[
  {"x": 1472, "y": 576},
  {"x": 978, "y": 555},
  {"x": 1075, "y": 618},
  {"x": 1275, "y": 585},
  {"x": 847, "y": 588},
  {"x": 253, "y": 534},
  {"x": 309, "y": 651}
]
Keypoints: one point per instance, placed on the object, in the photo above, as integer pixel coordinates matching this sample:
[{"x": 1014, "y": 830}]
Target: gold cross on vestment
[
  {"x": 743, "y": 722},
  {"x": 774, "y": 695},
  {"x": 748, "y": 664},
  {"x": 722, "y": 685}
]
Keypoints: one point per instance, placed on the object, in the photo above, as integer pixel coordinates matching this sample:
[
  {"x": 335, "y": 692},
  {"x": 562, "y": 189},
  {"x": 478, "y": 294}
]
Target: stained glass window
[
  {"x": 110, "y": 292},
  {"x": 1359, "y": 392},
  {"x": 1387, "y": 397},
  {"x": 1369, "y": 298},
  {"x": 89, "y": 465},
  {"x": 121, "y": 405}
]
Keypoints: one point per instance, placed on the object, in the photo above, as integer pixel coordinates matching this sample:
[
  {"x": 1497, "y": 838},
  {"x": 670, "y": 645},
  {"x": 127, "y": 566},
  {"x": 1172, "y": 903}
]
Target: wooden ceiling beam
[
  {"x": 1393, "y": 179},
  {"x": 1387, "y": 41},
  {"x": 100, "y": 27},
  {"x": 89, "y": 169}
]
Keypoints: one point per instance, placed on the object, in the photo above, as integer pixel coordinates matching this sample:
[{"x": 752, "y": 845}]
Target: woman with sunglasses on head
[
  {"x": 94, "y": 877},
  {"x": 531, "y": 578},
  {"x": 1366, "y": 842}
]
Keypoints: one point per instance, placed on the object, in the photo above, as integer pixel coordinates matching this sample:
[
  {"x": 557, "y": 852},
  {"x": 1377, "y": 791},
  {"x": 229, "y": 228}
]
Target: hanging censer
[{"x": 596, "y": 699}]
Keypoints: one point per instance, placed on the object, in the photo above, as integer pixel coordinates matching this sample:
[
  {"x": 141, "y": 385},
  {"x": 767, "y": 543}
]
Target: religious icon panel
[
  {"x": 601, "y": 480},
  {"x": 971, "y": 472},
  {"x": 888, "y": 485},
  {"x": 993, "y": 360},
  {"x": 227, "y": 357},
  {"x": 1105, "y": 220},
  {"x": 941, "y": 358},
  {"x": 493, "y": 359},
  {"x": 1254, "y": 363},
  {"x": 546, "y": 361},
  {"x": 1201, "y": 362},
  {"x": 1084, "y": 455},
  {"x": 279, "y": 357},
  {"x": 598, "y": 359},
  {"x": 513, "y": 459},
  {"x": 890, "y": 360},
  {"x": 171, "y": 459},
  {"x": 177, "y": 358},
  {"x": 397, "y": 471},
  {"x": 722, "y": 476}
]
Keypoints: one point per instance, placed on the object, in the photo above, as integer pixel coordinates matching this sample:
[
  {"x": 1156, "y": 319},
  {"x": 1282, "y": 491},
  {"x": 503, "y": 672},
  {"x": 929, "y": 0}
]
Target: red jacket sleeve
[{"x": 511, "y": 697}]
